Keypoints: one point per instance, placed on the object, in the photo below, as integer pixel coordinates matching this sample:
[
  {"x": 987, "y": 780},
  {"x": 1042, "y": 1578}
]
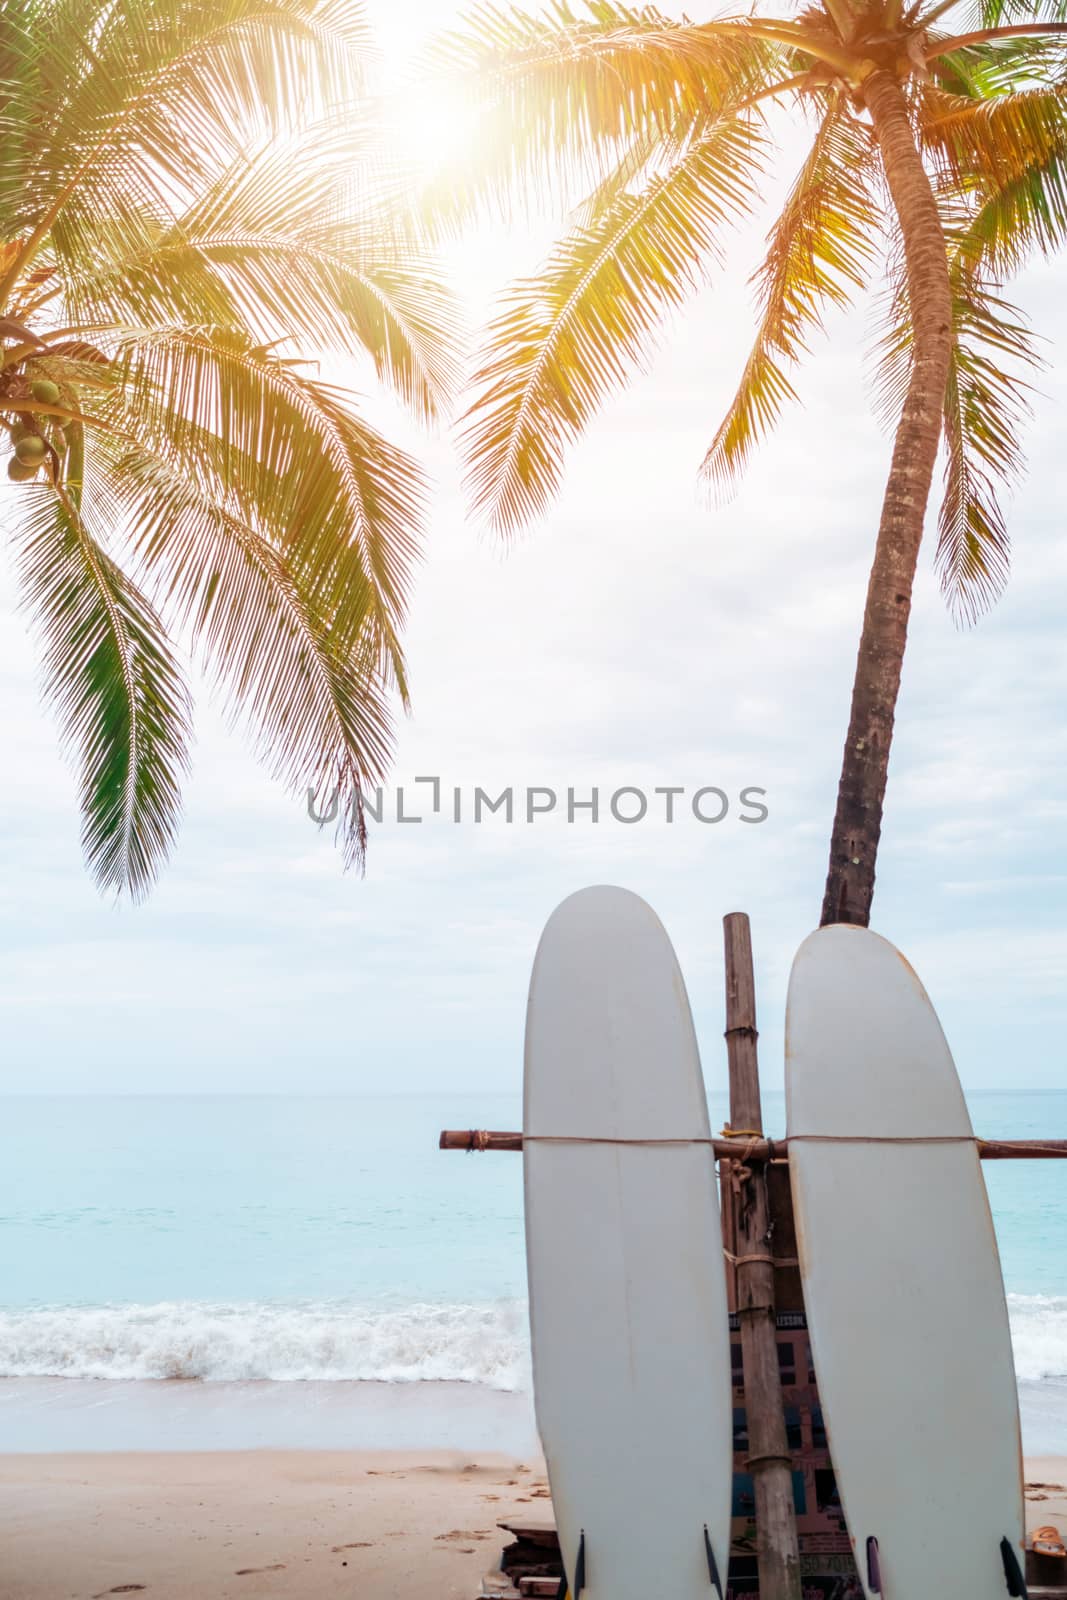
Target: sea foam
[
  {"x": 1039, "y": 1335},
  {"x": 463, "y": 1343},
  {"x": 487, "y": 1344}
]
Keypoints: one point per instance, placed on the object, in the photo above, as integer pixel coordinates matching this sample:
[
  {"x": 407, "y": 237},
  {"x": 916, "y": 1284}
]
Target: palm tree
[
  {"x": 935, "y": 155},
  {"x": 193, "y": 204}
]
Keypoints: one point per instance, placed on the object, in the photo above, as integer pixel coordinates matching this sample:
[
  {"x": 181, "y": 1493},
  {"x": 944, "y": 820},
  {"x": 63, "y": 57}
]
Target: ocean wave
[
  {"x": 485, "y": 1344},
  {"x": 1039, "y": 1335}
]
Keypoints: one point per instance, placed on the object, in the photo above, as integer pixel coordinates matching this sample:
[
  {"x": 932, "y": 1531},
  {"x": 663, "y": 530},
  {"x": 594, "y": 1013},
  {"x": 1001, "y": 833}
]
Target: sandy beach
[
  {"x": 257, "y": 1523},
  {"x": 307, "y": 1524}
]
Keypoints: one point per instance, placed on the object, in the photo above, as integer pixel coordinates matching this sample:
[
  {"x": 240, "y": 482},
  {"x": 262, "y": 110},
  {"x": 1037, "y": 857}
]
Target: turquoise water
[{"x": 270, "y": 1237}]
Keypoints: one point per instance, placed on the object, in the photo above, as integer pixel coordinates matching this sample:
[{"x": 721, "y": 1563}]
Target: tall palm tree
[
  {"x": 937, "y": 153},
  {"x": 193, "y": 203}
]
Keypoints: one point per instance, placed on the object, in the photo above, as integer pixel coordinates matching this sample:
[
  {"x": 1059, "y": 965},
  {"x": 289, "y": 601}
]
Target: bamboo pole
[
  {"x": 769, "y": 1460},
  {"x": 768, "y": 1149},
  {"x": 475, "y": 1139}
]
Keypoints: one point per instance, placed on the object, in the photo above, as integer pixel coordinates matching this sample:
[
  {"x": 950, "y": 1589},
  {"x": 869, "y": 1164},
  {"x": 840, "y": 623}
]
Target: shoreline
[
  {"x": 45, "y": 1416},
  {"x": 52, "y": 1415}
]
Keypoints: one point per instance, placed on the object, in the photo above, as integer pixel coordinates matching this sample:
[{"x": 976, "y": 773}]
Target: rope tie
[
  {"x": 768, "y": 1261},
  {"x": 740, "y": 1169},
  {"x": 479, "y": 1140},
  {"x": 592, "y": 1138}
]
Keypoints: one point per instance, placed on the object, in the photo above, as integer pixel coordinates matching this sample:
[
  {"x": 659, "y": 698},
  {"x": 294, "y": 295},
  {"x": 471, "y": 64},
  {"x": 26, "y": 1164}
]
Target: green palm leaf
[
  {"x": 996, "y": 12},
  {"x": 307, "y": 681},
  {"x": 985, "y": 408},
  {"x": 269, "y": 246},
  {"x": 819, "y": 252},
  {"x": 563, "y": 94},
  {"x": 112, "y": 675},
  {"x": 568, "y": 337},
  {"x": 335, "y": 485},
  {"x": 153, "y": 93},
  {"x": 193, "y": 216},
  {"x": 1011, "y": 156}
]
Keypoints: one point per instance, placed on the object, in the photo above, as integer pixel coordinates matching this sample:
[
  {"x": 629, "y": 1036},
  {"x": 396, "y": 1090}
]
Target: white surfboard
[
  {"x": 902, "y": 1283},
  {"x": 628, "y": 1315}
]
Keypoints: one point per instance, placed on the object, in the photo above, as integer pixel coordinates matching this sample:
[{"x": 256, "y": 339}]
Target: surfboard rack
[
  {"x": 757, "y": 1225},
  {"x": 763, "y": 1150}
]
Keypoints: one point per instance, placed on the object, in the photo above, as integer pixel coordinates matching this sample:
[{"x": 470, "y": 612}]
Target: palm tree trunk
[{"x": 858, "y": 821}]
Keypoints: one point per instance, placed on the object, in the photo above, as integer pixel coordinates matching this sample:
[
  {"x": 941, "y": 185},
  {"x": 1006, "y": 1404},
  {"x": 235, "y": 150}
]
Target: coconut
[
  {"x": 19, "y": 471},
  {"x": 45, "y": 392},
  {"x": 31, "y": 450}
]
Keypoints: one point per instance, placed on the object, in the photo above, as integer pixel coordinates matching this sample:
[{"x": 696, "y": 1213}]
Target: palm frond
[
  {"x": 1010, "y": 157},
  {"x": 112, "y": 675},
  {"x": 568, "y": 337},
  {"x": 994, "y": 69},
  {"x": 22, "y": 47},
  {"x": 301, "y": 671},
  {"x": 278, "y": 246},
  {"x": 819, "y": 253},
  {"x": 986, "y": 405},
  {"x": 130, "y": 115},
  {"x": 974, "y": 141},
  {"x": 998, "y": 13},
  {"x": 564, "y": 93},
  {"x": 327, "y": 481},
  {"x": 196, "y": 208}
]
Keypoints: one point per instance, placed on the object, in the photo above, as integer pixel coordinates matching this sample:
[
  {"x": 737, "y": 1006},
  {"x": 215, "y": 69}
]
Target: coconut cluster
[{"x": 30, "y": 434}]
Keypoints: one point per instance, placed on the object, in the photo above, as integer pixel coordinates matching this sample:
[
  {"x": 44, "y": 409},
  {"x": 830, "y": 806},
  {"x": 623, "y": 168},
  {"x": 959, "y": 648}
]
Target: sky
[{"x": 634, "y": 638}]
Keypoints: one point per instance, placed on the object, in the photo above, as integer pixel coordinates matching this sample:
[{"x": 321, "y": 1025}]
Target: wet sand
[{"x": 80, "y": 1414}]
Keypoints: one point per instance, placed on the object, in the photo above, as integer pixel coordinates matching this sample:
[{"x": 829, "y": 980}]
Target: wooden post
[{"x": 770, "y": 1461}]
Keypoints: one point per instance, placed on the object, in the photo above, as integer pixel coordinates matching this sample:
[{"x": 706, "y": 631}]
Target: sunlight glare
[{"x": 431, "y": 125}]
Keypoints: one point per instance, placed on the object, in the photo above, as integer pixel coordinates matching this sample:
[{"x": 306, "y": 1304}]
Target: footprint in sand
[
  {"x": 460, "y": 1533},
  {"x": 120, "y": 1588},
  {"x": 358, "y": 1544},
  {"x": 246, "y": 1572}
]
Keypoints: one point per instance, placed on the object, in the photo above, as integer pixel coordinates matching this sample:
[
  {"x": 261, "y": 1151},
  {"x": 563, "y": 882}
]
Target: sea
[{"x": 199, "y": 1271}]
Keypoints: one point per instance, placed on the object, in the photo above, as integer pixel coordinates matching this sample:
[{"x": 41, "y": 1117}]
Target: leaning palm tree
[
  {"x": 193, "y": 206},
  {"x": 936, "y": 164}
]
